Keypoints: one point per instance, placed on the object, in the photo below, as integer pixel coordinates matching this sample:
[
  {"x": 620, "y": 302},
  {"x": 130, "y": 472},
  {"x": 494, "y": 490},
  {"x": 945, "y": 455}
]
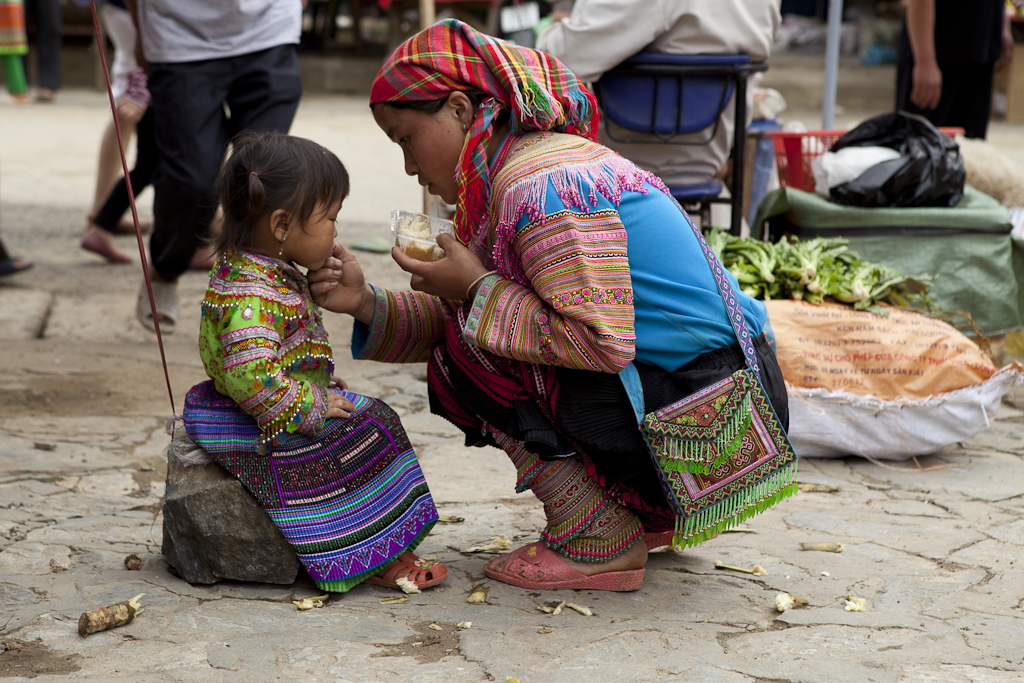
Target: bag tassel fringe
[
  {"x": 704, "y": 457},
  {"x": 727, "y": 514}
]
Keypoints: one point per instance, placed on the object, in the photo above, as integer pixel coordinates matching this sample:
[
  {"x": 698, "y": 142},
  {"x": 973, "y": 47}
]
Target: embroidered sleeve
[
  {"x": 579, "y": 311},
  {"x": 406, "y": 326},
  {"x": 253, "y": 375}
]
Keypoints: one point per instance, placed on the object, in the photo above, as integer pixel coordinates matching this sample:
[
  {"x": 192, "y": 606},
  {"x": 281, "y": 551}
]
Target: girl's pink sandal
[
  {"x": 424, "y": 573},
  {"x": 537, "y": 567}
]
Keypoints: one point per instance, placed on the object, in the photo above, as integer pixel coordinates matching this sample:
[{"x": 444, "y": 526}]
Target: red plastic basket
[{"x": 794, "y": 152}]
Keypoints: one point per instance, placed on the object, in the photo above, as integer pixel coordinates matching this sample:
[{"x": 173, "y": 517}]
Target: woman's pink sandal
[
  {"x": 537, "y": 567},
  {"x": 424, "y": 573}
]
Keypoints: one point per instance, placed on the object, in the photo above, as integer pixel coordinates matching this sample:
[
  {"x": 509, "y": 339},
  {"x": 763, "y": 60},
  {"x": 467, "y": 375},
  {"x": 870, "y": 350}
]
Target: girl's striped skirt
[{"x": 349, "y": 500}]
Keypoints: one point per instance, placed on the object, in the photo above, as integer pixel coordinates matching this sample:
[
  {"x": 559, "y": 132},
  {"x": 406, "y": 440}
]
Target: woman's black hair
[
  {"x": 267, "y": 171},
  {"x": 434, "y": 106}
]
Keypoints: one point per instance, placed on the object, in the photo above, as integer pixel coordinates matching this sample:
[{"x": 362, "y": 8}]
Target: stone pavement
[{"x": 937, "y": 554}]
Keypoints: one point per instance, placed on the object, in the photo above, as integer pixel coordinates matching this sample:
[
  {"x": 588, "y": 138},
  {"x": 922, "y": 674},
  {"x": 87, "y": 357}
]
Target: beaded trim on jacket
[
  {"x": 286, "y": 330},
  {"x": 525, "y": 166}
]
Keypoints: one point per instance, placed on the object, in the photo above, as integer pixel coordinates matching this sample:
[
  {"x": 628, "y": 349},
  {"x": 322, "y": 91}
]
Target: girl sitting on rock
[{"x": 334, "y": 470}]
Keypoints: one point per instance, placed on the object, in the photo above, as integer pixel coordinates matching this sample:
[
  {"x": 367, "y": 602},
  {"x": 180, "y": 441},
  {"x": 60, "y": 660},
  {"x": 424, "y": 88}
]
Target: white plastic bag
[
  {"x": 835, "y": 168},
  {"x": 834, "y": 424}
]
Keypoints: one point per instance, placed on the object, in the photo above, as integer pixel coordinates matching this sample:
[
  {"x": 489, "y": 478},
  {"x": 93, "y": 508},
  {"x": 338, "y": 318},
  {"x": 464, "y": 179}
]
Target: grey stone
[{"x": 214, "y": 529}]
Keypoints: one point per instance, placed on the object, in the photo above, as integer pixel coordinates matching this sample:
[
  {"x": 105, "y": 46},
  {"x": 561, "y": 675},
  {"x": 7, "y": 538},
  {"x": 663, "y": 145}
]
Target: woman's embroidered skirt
[
  {"x": 558, "y": 413},
  {"x": 349, "y": 500}
]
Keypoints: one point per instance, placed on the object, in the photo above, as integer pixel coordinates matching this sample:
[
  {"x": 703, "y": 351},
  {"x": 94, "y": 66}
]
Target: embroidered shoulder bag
[{"x": 721, "y": 452}]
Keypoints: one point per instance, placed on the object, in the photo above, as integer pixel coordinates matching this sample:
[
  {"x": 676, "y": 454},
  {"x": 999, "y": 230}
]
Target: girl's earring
[{"x": 280, "y": 251}]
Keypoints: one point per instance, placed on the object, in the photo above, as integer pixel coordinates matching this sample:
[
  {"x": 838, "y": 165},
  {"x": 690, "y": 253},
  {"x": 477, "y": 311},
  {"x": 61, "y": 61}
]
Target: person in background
[
  {"x": 598, "y": 35},
  {"x": 10, "y": 265},
  {"x": 129, "y": 84},
  {"x": 215, "y": 69},
  {"x": 561, "y": 9},
  {"x": 46, "y": 16},
  {"x": 948, "y": 51},
  {"x": 12, "y": 45}
]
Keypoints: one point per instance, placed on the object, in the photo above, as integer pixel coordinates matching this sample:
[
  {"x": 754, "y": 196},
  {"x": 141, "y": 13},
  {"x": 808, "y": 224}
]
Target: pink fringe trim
[{"x": 577, "y": 185}]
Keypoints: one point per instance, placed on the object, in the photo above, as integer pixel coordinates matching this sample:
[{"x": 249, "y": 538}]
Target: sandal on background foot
[
  {"x": 165, "y": 296},
  {"x": 424, "y": 573},
  {"x": 537, "y": 567},
  {"x": 10, "y": 266}
]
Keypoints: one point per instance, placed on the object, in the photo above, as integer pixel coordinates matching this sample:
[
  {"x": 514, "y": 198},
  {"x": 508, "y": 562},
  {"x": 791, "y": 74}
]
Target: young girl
[{"x": 334, "y": 470}]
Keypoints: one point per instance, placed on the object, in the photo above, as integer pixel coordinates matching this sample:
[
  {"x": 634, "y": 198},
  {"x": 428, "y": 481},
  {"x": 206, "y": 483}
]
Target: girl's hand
[
  {"x": 338, "y": 405},
  {"x": 340, "y": 286},
  {"x": 447, "y": 278},
  {"x": 337, "y": 383}
]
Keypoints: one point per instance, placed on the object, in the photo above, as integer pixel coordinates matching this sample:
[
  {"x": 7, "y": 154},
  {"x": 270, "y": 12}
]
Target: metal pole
[
  {"x": 828, "y": 102},
  {"x": 739, "y": 150},
  {"x": 427, "y": 14},
  {"x": 427, "y": 19}
]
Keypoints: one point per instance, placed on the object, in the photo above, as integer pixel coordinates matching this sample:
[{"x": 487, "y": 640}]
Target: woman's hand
[
  {"x": 340, "y": 286},
  {"x": 447, "y": 278},
  {"x": 337, "y": 383}
]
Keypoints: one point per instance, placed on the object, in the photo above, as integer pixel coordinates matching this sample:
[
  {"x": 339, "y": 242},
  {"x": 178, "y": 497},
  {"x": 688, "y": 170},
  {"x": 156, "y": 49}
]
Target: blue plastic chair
[{"x": 664, "y": 96}]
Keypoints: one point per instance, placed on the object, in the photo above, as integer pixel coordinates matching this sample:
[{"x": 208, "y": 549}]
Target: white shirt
[
  {"x": 195, "y": 30},
  {"x": 599, "y": 34}
]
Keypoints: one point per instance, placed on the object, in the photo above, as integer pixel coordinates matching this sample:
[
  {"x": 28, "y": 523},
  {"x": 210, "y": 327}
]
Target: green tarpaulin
[{"x": 976, "y": 265}]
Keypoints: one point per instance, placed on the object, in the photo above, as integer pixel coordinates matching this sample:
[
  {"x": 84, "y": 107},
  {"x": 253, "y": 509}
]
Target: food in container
[{"x": 416, "y": 234}]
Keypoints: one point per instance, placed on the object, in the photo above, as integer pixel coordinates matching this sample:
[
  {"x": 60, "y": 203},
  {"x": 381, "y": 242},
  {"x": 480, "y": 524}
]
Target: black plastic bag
[{"x": 929, "y": 172}]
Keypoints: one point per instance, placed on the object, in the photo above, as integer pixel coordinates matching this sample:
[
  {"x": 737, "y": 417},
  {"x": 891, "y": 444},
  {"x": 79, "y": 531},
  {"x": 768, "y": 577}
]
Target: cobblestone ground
[{"x": 936, "y": 553}]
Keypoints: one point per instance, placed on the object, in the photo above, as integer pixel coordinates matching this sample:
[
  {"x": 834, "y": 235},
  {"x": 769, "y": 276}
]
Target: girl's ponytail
[{"x": 257, "y": 194}]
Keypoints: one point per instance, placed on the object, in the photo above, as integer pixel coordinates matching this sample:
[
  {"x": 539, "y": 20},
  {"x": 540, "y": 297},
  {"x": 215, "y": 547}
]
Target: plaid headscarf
[{"x": 539, "y": 90}]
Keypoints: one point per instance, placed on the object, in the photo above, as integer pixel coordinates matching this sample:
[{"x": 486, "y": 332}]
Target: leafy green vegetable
[{"x": 813, "y": 270}]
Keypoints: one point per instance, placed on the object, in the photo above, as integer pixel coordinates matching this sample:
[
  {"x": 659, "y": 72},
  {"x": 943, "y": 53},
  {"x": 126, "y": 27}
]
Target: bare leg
[{"x": 108, "y": 167}]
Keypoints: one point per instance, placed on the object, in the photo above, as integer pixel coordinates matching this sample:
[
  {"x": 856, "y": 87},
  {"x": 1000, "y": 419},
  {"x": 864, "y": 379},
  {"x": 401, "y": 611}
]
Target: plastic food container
[{"x": 410, "y": 232}]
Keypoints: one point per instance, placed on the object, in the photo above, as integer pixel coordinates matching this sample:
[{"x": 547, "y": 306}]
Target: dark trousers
[
  {"x": 45, "y": 16},
  {"x": 199, "y": 107},
  {"x": 147, "y": 157},
  {"x": 966, "y": 96}
]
